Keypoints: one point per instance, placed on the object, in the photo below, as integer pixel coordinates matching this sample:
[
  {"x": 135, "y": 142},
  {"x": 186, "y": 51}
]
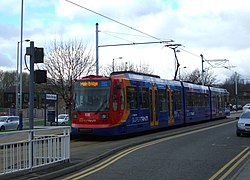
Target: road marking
[
  {"x": 120, "y": 155},
  {"x": 246, "y": 150}
]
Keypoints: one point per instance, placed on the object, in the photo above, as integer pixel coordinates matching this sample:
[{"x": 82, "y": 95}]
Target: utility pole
[
  {"x": 21, "y": 75},
  {"x": 177, "y": 64},
  {"x": 214, "y": 63},
  {"x": 17, "y": 83},
  {"x": 127, "y": 44},
  {"x": 236, "y": 90},
  {"x": 202, "y": 69},
  {"x": 32, "y": 87},
  {"x": 97, "y": 51},
  {"x": 38, "y": 76}
]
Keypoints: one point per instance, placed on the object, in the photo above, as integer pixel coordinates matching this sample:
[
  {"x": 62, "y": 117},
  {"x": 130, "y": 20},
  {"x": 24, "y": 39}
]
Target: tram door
[
  {"x": 153, "y": 107},
  {"x": 170, "y": 106},
  {"x": 223, "y": 105},
  {"x": 217, "y": 105}
]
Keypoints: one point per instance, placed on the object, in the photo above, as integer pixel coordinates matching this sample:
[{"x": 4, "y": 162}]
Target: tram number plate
[{"x": 87, "y": 114}]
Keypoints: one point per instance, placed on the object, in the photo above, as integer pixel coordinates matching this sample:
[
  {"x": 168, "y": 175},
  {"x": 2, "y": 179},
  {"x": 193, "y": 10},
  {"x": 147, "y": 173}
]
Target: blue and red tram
[{"x": 129, "y": 102}]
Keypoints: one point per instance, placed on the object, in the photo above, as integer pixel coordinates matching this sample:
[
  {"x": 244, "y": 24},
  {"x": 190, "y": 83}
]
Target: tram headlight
[
  {"x": 104, "y": 116},
  {"x": 75, "y": 116}
]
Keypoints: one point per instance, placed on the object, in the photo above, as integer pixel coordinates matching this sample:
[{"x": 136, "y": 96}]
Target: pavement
[
  {"x": 91, "y": 155},
  {"x": 244, "y": 172}
]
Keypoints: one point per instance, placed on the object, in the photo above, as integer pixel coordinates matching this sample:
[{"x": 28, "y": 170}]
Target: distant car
[
  {"x": 227, "y": 112},
  {"x": 239, "y": 107},
  {"x": 63, "y": 119},
  {"x": 9, "y": 122},
  {"x": 246, "y": 106},
  {"x": 243, "y": 124}
]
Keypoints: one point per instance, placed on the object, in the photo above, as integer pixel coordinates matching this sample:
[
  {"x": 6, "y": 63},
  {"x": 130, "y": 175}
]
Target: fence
[
  {"x": 4, "y": 111},
  {"x": 33, "y": 148}
]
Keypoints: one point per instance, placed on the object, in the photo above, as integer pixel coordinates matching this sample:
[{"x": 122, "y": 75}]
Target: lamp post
[
  {"x": 236, "y": 86},
  {"x": 17, "y": 75},
  {"x": 236, "y": 90},
  {"x": 17, "y": 65},
  {"x": 17, "y": 79},
  {"x": 180, "y": 72},
  {"x": 21, "y": 76},
  {"x": 202, "y": 69},
  {"x": 113, "y": 64}
]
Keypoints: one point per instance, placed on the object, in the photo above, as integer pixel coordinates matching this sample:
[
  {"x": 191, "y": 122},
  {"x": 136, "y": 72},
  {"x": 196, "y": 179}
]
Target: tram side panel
[
  {"x": 176, "y": 103},
  {"x": 197, "y": 103},
  {"x": 218, "y": 102}
]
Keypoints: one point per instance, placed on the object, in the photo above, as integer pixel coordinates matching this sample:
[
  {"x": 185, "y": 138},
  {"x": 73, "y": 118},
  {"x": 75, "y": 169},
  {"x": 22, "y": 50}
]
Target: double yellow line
[
  {"x": 106, "y": 162},
  {"x": 222, "y": 173},
  {"x": 120, "y": 155}
]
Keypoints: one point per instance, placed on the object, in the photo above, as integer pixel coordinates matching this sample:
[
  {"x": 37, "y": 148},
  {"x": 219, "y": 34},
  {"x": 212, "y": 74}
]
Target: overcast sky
[{"x": 218, "y": 29}]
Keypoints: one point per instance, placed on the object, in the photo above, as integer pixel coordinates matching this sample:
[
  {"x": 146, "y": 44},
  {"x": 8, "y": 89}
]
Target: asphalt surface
[
  {"x": 194, "y": 155},
  {"x": 96, "y": 149}
]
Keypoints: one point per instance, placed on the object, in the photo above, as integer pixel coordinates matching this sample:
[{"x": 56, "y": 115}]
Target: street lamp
[
  {"x": 236, "y": 86},
  {"x": 236, "y": 91},
  {"x": 180, "y": 71},
  {"x": 113, "y": 64},
  {"x": 17, "y": 80}
]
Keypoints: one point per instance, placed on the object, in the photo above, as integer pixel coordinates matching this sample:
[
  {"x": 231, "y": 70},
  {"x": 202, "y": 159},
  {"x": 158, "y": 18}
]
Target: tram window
[
  {"x": 177, "y": 100},
  {"x": 115, "y": 100},
  {"x": 131, "y": 97},
  {"x": 205, "y": 100},
  {"x": 188, "y": 99},
  {"x": 122, "y": 99},
  {"x": 202, "y": 100},
  {"x": 198, "y": 99},
  {"x": 220, "y": 101},
  {"x": 144, "y": 98},
  {"x": 162, "y": 100}
]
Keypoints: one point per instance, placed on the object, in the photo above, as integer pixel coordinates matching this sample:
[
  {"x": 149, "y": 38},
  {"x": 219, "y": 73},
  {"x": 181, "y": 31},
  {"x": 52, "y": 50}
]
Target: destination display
[
  {"x": 89, "y": 83},
  {"x": 94, "y": 83}
]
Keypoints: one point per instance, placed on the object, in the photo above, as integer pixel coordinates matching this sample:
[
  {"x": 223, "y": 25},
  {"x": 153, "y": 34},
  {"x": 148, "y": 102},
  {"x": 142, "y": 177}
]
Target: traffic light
[
  {"x": 40, "y": 76},
  {"x": 39, "y": 55},
  {"x": 67, "y": 104}
]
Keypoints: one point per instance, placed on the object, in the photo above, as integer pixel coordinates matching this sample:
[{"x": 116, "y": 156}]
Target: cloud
[
  {"x": 5, "y": 62},
  {"x": 217, "y": 29},
  {"x": 7, "y": 31}
]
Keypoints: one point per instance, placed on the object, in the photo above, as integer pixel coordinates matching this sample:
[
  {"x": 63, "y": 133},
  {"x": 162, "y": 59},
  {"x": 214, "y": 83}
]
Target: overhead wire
[
  {"x": 123, "y": 33},
  {"x": 125, "y": 25},
  {"x": 116, "y": 36},
  {"x": 111, "y": 19}
]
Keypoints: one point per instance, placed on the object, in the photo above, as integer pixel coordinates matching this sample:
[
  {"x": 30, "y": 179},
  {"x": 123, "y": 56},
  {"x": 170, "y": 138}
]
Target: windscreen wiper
[{"x": 101, "y": 106}]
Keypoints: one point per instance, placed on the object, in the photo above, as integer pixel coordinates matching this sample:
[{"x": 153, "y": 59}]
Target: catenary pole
[{"x": 97, "y": 51}]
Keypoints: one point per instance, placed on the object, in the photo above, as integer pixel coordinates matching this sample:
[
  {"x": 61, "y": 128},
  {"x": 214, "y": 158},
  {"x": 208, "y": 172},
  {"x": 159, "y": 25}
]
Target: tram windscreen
[{"x": 92, "y": 96}]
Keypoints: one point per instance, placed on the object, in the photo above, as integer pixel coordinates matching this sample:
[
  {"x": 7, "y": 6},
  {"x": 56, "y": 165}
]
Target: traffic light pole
[
  {"x": 31, "y": 52},
  {"x": 32, "y": 86}
]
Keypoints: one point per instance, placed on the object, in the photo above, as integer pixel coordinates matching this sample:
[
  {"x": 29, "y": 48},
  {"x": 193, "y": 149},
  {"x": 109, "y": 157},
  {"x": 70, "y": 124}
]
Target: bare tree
[
  {"x": 127, "y": 66},
  {"x": 1, "y": 79},
  {"x": 8, "y": 79},
  {"x": 195, "y": 77},
  {"x": 64, "y": 62}
]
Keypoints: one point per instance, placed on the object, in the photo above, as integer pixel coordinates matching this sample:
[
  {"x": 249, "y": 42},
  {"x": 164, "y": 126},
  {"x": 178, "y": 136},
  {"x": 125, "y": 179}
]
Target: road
[
  {"x": 199, "y": 151},
  {"x": 198, "y": 154}
]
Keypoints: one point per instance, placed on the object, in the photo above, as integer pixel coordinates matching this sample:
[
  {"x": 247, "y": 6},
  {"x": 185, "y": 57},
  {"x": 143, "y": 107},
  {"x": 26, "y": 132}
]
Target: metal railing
[{"x": 33, "y": 148}]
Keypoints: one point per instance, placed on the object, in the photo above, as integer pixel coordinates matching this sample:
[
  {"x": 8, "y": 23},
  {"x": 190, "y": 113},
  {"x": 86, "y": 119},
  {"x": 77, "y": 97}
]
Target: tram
[{"x": 129, "y": 102}]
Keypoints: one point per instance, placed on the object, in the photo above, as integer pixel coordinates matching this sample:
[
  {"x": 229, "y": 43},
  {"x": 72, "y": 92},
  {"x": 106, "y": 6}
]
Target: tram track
[
  {"x": 115, "y": 157},
  {"x": 110, "y": 147}
]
